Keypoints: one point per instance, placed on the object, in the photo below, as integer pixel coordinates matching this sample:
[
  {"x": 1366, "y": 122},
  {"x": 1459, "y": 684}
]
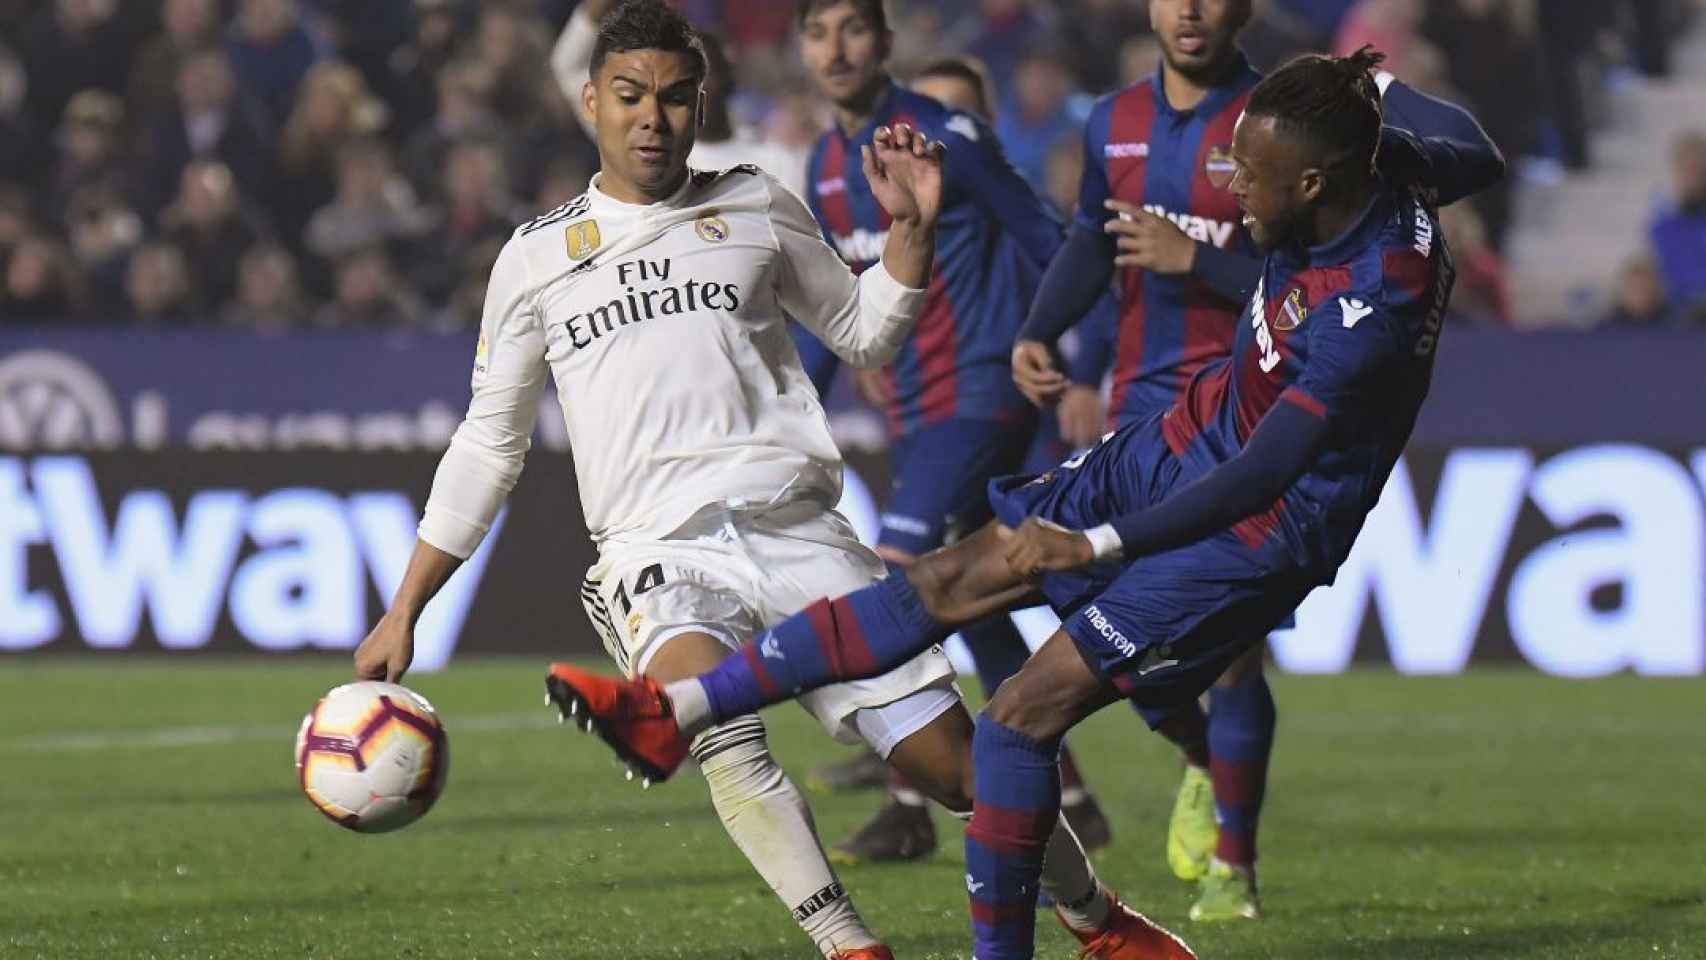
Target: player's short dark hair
[
  {"x": 1333, "y": 102},
  {"x": 871, "y": 10},
  {"x": 647, "y": 25},
  {"x": 969, "y": 69}
]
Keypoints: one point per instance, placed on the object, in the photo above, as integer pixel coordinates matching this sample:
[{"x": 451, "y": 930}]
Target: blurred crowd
[{"x": 274, "y": 164}]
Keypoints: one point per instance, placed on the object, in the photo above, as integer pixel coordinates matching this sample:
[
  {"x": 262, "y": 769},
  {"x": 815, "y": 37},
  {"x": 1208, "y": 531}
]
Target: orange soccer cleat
[
  {"x": 632, "y": 716},
  {"x": 1129, "y": 935},
  {"x": 877, "y": 952}
]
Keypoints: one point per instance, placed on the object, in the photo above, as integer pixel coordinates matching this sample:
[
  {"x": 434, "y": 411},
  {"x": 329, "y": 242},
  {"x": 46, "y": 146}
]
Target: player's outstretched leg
[
  {"x": 1191, "y": 830},
  {"x": 863, "y": 634},
  {"x": 1241, "y": 724},
  {"x": 765, "y": 814},
  {"x": 1018, "y": 791}
]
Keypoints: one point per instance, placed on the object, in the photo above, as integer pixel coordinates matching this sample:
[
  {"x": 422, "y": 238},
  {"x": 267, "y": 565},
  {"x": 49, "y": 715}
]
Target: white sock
[
  {"x": 691, "y": 706},
  {"x": 1068, "y": 878},
  {"x": 767, "y": 817}
]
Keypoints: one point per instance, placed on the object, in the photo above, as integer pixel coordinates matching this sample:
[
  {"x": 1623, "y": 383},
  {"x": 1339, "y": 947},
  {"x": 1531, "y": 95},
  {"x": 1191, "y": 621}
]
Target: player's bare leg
[
  {"x": 1018, "y": 789},
  {"x": 762, "y": 810}
]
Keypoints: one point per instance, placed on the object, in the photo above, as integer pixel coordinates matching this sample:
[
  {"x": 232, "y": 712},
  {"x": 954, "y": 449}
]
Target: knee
[{"x": 935, "y": 576}]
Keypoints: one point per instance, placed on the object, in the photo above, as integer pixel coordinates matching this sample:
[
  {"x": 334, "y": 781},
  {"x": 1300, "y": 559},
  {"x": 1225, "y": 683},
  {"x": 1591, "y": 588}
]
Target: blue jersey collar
[
  {"x": 879, "y": 115},
  {"x": 1357, "y": 236},
  {"x": 1241, "y": 78}
]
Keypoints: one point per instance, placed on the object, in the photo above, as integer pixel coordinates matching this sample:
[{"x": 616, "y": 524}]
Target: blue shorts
[
  {"x": 1160, "y": 628},
  {"x": 941, "y": 473}
]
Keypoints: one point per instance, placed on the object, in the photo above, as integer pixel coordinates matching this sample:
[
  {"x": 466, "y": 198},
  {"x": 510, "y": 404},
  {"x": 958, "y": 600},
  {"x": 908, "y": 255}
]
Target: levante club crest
[
  {"x": 1292, "y": 312},
  {"x": 1219, "y": 166}
]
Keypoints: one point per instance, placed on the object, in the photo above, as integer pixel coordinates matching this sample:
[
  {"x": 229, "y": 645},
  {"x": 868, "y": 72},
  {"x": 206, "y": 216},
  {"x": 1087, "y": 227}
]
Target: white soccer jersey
[{"x": 663, "y": 328}]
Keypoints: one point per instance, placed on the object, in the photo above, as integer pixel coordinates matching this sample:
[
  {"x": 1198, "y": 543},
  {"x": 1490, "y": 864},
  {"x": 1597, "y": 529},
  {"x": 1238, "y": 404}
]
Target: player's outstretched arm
[
  {"x": 390, "y": 646},
  {"x": 1279, "y": 450},
  {"x": 1451, "y": 152},
  {"x": 571, "y": 57},
  {"x": 904, "y": 169}
]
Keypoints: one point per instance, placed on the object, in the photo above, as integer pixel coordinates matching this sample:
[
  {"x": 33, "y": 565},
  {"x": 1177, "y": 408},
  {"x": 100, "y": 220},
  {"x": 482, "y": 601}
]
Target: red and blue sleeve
[{"x": 977, "y": 165}]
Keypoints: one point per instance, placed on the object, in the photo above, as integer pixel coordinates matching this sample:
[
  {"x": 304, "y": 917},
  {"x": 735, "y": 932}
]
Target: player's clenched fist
[
  {"x": 904, "y": 168},
  {"x": 1038, "y": 546},
  {"x": 1149, "y": 240},
  {"x": 1036, "y": 374}
]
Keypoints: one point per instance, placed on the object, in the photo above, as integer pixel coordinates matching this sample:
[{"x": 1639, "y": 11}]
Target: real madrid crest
[
  {"x": 1219, "y": 167},
  {"x": 1292, "y": 312},
  {"x": 583, "y": 238},
  {"x": 711, "y": 228}
]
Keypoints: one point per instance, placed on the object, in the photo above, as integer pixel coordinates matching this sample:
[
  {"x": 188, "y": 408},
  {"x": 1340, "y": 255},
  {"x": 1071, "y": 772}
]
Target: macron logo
[
  {"x": 769, "y": 648},
  {"x": 1100, "y": 623},
  {"x": 1354, "y": 310},
  {"x": 832, "y": 185},
  {"x": 1126, "y": 151}
]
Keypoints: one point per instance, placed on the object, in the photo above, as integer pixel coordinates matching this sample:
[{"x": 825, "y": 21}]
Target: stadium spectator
[
  {"x": 1001, "y": 34},
  {"x": 190, "y": 25},
  {"x": 158, "y": 286},
  {"x": 1062, "y": 174},
  {"x": 1042, "y": 113},
  {"x": 211, "y": 119},
  {"x": 271, "y": 51},
  {"x": 1480, "y": 295},
  {"x": 207, "y": 221},
  {"x": 514, "y": 45},
  {"x": 332, "y": 105},
  {"x": 74, "y": 45},
  {"x": 104, "y": 231},
  {"x": 563, "y": 180},
  {"x": 89, "y": 138},
  {"x": 369, "y": 295},
  {"x": 41, "y": 285},
  {"x": 374, "y": 204},
  {"x": 1640, "y": 296},
  {"x": 269, "y": 294},
  {"x": 478, "y": 207},
  {"x": 413, "y": 70},
  {"x": 464, "y": 113},
  {"x": 1139, "y": 59},
  {"x": 21, "y": 160},
  {"x": 1679, "y": 233}
]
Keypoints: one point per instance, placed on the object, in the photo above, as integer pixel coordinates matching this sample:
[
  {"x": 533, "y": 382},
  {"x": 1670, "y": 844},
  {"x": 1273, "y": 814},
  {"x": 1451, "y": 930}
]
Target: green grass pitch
[{"x": 151, "y": 812}]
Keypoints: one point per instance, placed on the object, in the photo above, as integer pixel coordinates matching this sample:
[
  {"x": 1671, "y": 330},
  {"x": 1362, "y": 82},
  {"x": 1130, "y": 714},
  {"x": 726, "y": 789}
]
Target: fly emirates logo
[{"x": 648, "y": 292}]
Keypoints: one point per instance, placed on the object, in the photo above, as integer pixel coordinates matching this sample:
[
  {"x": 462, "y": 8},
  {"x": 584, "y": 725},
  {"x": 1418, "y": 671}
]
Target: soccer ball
[{"x": 372, "y": 756}]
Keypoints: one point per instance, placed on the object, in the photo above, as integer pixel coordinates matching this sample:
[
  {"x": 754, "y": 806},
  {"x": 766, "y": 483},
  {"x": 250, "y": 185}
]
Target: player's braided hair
[
  {"x": 1331, "y": 101},
  {"x": 646, "y": 25}
]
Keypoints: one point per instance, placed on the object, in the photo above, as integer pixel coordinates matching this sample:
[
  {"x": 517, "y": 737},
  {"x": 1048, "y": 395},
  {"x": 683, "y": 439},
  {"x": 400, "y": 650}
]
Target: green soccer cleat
[
  {"x": 1228, "y": 893},
  {"x": 1192, "y": 833}
]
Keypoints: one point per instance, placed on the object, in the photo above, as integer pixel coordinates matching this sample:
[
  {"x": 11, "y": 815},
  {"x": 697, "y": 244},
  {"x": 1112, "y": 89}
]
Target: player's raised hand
[
  {"x": 904, "y": 168},
  {"x": 1149, "y": 240},
  {"x": 1038, "y": 546},
  {"x": 387, "y": 651},
  {"x": 1036, "y": 374}
]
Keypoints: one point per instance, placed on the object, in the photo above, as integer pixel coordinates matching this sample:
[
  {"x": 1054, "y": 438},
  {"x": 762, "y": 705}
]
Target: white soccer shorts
[{"x": 730, "y": 574}]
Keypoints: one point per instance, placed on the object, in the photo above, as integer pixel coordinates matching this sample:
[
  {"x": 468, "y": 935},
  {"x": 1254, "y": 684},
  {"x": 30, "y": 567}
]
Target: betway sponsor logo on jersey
[
  {"x": 861, "y": 246},
  {"x": 1217, "y": 232},
  {"x": 648, "y": 294},
  {"x": 1264, "y": 336}
]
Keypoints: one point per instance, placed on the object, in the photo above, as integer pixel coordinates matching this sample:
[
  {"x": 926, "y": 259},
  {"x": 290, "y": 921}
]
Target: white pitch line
[{"x": 204, "y": 736}]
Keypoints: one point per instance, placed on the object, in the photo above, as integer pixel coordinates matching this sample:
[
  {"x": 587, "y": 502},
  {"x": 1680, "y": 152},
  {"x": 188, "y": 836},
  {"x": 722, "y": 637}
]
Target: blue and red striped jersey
[
  {"x": 1176, "y": 163},
  {"x": 993, "y": 239},
  {"x": 1346, "y": 331}
]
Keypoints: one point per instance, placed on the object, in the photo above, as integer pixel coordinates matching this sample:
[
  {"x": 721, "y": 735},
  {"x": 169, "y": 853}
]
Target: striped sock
[
  {"x": 1018, "y": 801},
  {"x": 863, "y": 634},
  {"x": 1241, "y": 724}
]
